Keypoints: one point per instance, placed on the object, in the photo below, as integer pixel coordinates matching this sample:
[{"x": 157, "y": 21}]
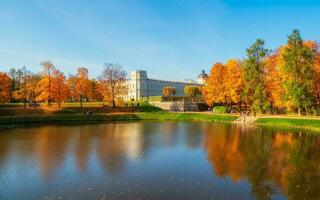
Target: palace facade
[{"x": 139, "y": 85}]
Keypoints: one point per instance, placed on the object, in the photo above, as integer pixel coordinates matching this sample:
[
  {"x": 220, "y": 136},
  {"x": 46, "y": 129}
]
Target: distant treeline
[{"x": 51, "y": 85}]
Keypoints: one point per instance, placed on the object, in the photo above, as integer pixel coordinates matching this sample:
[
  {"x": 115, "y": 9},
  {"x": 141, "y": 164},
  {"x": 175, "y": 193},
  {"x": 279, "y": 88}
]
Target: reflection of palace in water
[
  {"x": 111, "y": 144},
  {"x": 267, "y": 160}
]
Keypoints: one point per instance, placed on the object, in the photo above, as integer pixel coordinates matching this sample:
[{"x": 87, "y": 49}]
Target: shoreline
[
  {"x": 112, "y": 117},
  {"x": 287, "y": 122}
]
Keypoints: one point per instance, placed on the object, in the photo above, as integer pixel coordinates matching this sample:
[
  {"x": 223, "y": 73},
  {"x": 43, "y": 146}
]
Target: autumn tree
[
  {"x": 299, "y": 72},
  {"x": 28, "y": 90},
  {"x": 95, "y": 94},
  {"x": 16, "y": 76},
  {"x": 44, "y": 86},
  {"x": 72, "y": 86},
  {"x": 5, "y": 86},
  {"x": 169, "y": 92},
  {"x": 316, "y": 66},
  {"x": 32, "y": 82},
  {"x": 274, "y": 80},
  {"x": 233, "y": 81},
  {"x": 83, "y": 84},
  {"x": 22, "y": 91},
  {"x": 59, "y": 87},
  {"x": 214, "y": 91},
  {"x": 254, "y": 77},
  {"x": 112, "y": 83},
  {"x": 193, "y": 92}
]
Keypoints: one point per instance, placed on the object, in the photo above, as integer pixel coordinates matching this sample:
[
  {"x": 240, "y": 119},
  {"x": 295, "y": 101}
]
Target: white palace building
[{"x": 139, "y": 85}]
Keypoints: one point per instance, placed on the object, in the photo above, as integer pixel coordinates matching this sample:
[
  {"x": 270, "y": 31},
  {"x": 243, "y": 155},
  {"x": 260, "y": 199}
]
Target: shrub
[{"x": 220, "y": 109}]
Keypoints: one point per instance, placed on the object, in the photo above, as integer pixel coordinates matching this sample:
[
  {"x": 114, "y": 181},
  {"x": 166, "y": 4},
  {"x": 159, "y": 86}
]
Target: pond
[{"x": 151, "y": 160}]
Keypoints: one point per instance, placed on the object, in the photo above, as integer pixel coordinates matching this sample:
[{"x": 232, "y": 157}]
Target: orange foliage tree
[
  {"x": 224, "y": 84},
  {"x": 59, "y": 87},
  {"x": 274, "y": 80},
  {"x": 72, "y": 85},
  {"x": 44, "y": 86},
  {"x": 214, "y": 91},
  {"x": 233, "y": 81},
  {"x": 5, "y": 86},
  {"x": 32, "y": 82},
  {"x": 168, "y": 92},
  {"x": 28, "y": 90},
  {"x": 95, "y": 94},
  {"x": 316, "y": 67}
]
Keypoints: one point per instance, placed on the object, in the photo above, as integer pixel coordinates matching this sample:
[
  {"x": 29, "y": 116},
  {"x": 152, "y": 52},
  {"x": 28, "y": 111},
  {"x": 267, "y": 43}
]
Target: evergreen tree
[
  {"x": 254, "y": 76},
  {"x": 298, "y": 61}
]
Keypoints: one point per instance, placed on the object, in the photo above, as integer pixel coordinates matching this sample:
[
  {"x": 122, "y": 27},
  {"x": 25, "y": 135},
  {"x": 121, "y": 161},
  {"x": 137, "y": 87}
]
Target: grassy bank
[
  {"x": 70, "y": 118},
  {"x": 300, "y": 123},
  {"x": 15, "y": 111},
  {"x": 66, "y": 118}
]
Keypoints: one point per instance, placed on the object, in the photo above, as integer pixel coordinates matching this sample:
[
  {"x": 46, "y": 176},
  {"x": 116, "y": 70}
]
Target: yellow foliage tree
[{"x": 193, "y": 92}]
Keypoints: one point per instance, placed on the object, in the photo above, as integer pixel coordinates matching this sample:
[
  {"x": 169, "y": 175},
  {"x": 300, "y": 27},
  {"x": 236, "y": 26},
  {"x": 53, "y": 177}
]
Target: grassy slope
[
  {"x": 312, "y": 124},
  {"x": 67, "y": 118}
]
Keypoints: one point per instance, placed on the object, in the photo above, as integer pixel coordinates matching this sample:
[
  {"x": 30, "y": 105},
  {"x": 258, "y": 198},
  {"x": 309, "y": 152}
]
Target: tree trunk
[
  {"x": 59, "y": 104},
  {"x": 80, "y": 101},
  {"x": 113, "y": 101},
  {"x": 35, "y": 104},
  {"x": 299, "y": 111},
  {"x": 306, "y": 108},
  {"x": 25, "y": 103}
]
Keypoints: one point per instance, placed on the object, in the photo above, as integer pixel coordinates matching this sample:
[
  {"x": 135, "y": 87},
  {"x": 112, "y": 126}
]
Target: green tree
[
  {"x": 254, "y": 76},
  {"x": 299, "y": 72}
]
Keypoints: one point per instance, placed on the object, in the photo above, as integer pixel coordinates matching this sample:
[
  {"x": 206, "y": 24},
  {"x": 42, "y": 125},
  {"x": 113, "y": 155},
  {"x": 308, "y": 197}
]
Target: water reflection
[
  {"x": 268, "y": 160},
  {"x": 158, "y": 161}
]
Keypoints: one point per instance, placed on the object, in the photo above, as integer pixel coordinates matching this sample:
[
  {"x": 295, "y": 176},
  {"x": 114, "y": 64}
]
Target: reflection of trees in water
[
  {"x": 266, "y": 159},
  {"x": 82, "y": 147},
  {"x": 111, "y": 149},
  {"x": 51, "y": 143},
  {"x": 4, "y": 148},
  {"x": 168, "y": 133},
  {"x": 193, "y": 134},
  {"x": 113, "y": 144}
]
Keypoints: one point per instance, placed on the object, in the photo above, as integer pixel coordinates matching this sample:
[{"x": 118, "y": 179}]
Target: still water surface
[{"x": 147, "y": 160}]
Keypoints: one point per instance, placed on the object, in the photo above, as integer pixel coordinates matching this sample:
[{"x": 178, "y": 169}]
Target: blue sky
[{"x": 171, "y": 39}]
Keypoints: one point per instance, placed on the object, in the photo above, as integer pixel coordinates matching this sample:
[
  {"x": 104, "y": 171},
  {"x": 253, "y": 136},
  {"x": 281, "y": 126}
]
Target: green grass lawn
[{"x": 313, "y": 124}]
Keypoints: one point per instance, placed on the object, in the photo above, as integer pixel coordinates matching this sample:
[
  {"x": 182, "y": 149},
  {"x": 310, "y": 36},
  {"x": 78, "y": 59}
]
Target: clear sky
[{"x": 171, "y": 39}]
